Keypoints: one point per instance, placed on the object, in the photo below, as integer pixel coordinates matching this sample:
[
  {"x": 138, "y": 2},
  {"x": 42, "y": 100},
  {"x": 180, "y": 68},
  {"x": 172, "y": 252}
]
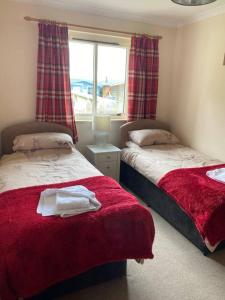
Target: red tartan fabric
[
  {"x": 54, "y": 101},
  {"x": 143, "y": 78}
]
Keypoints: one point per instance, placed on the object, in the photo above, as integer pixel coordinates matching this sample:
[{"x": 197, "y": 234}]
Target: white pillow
[
  {"x": 46, "y": 140},
  {"x": 147, "y": 137}
]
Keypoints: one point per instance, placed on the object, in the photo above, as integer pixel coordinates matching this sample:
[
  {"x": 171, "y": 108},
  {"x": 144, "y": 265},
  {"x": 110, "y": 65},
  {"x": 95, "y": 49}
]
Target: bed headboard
[
  {"x": 9, "y": 133},
  {"x": 137, "y": 125}
]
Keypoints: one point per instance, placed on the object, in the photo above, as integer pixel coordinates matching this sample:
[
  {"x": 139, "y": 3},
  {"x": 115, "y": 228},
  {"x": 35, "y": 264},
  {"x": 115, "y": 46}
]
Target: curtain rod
[
  {"x": 87, "y": 27},
  {"x": 94, "y": 41}
]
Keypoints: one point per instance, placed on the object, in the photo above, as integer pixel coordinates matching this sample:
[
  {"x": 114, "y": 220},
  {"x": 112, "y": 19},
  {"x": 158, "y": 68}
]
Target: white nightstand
[{"x": 106, "y": 159}]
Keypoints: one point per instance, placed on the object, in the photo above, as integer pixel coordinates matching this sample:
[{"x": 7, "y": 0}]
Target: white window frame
[{"x": 112, "y": 41}]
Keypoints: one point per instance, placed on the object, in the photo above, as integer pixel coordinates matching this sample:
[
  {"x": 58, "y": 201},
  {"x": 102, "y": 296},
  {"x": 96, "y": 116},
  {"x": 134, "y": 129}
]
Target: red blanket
[
  {"x": 37, "y": 251},
  {"x": 202, "y": 198}
]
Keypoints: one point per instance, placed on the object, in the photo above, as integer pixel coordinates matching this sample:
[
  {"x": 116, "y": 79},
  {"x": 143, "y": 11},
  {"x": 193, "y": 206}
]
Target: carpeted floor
[{"x": 178, "y": 272}]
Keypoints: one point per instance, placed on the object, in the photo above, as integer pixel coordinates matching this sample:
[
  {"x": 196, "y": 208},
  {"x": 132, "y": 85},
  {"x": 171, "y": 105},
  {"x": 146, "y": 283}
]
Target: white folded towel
[
  {"x": 74, "y": 197},
  {"x": 67, "y": 202},
  {"x": 217, "y": 174}
]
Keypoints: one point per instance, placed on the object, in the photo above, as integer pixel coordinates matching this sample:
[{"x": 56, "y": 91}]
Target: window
[
  {"x": 82, "y": 76},
  {"x": 98, "y": 74}
]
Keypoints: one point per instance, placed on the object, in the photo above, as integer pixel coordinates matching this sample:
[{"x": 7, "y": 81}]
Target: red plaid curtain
[
  {"x": 143, "y": 78},
  {"x": 54, "y": 101}
]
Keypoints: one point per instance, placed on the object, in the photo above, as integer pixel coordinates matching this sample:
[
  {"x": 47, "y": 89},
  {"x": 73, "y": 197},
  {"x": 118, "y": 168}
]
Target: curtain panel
[
  {"x": 143, "y": 78},
  {"x": 54, "y": 101}
]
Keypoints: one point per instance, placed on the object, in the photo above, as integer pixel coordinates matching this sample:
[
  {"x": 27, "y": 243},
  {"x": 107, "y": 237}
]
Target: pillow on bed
[
  {"x": 147, "y": 137},
  {"x": 45, "y": 140}
]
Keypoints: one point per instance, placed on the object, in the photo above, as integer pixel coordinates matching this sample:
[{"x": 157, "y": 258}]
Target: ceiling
[{"x": 160, "y": 12}]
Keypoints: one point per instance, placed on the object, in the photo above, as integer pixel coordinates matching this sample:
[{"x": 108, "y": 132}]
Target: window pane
[
  {"x": 111, "y": 79},
  {"x": 81, "y": 76}
]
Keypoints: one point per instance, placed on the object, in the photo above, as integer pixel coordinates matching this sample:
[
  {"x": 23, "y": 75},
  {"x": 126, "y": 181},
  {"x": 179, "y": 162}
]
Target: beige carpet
[{"x": 178, "y": 272}]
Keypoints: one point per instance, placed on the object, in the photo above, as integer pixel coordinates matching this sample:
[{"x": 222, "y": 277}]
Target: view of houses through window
[{"x": 98, "y": 78}]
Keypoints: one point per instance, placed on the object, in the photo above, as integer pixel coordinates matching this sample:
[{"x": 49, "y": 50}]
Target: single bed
[
  {"x": 142, "y": 168},
  {"x": 23, "y": 174}
]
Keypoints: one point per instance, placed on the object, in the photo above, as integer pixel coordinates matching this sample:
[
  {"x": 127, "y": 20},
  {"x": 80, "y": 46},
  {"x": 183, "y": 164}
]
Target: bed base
[
  {"x": 163, "y": 205},
  {"x": 94, "y": 276}
]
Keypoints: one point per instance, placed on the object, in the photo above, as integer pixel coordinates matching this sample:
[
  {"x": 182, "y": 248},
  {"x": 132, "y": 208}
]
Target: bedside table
[{"x": 106, "y": 159}]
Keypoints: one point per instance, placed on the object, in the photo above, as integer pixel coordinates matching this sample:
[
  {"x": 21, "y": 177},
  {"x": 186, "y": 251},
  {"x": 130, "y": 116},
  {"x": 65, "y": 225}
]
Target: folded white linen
[
  {"x": 47, "y": 205},
  {"x": 217, "y": 174},
  {"x": 67, "y": 201},
  {"x": 73, "y": 197}
]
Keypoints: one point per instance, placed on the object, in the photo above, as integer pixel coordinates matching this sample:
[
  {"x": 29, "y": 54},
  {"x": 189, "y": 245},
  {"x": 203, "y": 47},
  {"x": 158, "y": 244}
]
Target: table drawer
[
  {"x": 108, "y": 168},
  {"x": 111, "y": 156}
]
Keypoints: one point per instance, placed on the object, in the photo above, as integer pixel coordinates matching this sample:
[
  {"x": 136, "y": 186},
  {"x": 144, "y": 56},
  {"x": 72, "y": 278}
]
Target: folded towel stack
[
  {"x": 66, "y": 202},
  {"x": 217, "y": 174}
]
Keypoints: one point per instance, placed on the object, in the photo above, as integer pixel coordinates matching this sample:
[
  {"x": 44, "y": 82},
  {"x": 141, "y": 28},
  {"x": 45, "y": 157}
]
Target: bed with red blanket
[
  {"x": 38, "y": 252},
  {"x": 201, "y": 198},
  {"x": 171, "y": 179}
]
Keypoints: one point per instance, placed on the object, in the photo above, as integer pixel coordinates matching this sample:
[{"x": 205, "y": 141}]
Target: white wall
[
  {"x": 18, "y": 55},
  {"x": 197, "y": 112}
]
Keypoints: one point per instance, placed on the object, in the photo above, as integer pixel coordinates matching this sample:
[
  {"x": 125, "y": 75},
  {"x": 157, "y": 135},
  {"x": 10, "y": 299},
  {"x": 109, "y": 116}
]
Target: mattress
[
  {"x": 155, "y": 161},
  {"x": 40, "y": 167}
]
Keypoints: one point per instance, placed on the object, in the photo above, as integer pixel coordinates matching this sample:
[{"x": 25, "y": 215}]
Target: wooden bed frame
[
  {"x": 94, "y": 276},
  {"x": 154, "y": 196}
]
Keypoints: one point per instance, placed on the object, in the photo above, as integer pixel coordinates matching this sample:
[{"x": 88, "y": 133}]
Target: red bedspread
[
  {"x": 37, "y": 251},
  {"x": 202, "y": 198}
]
